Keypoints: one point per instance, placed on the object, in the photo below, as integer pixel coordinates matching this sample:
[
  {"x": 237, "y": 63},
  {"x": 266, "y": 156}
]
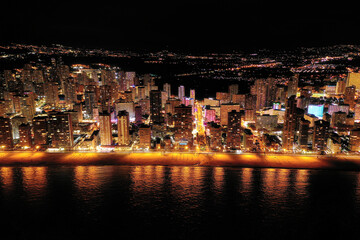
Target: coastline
[{"x": 252, "y": 160}]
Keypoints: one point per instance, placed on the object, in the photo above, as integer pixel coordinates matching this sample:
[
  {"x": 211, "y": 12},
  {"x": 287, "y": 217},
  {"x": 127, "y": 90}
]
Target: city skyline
[
  {"x": 179, "y": 120},
  {"x": 303, "y": 102}
]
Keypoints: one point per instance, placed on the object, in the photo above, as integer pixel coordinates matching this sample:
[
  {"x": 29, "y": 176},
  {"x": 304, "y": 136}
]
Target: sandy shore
[{"x": 342, "y": 162}]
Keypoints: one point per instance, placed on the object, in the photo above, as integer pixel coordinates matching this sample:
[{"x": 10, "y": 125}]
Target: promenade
[{"x": 341, "y": 162}]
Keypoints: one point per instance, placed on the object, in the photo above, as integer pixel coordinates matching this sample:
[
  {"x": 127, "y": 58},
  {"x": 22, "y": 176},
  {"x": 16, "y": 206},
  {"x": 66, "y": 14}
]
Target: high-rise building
[
  {"x": 140, "y": 93},
  {"x": 281, "y": 93},
  {"x": 5, "y": 107},
  {"x": 40, "y": 129},
  {"x": 138, "y": 115},
  {"x": 192, "y": 94},
  {"x": 6, "y": 139},
  {"x": 25, "y": 140},
  {"x": 164, "y": 98},
  {"x": 17, "y": 103},
  {"x": 79, "y": 115},
  {"x": 105, "y": 128},
  {"x": 183, "y": 124},
  {"x": 223, "y": 97},
  {"x": 181, "y": 93},
  {"x": 60, "y": 130},
  {"x": 214, "y": 133},
  {"x": 210, "y": 115},
  {"x": 225, "y": 109},
  {"x": 155, "y": 107},
  {"x": 293, "y": 85},
  {"x": 320, "y": 135},
  {"x": 340, "y": 87},
  {"x": 289, "y": 124},
  {"x": 234, "y": 130},
  {"x": 167, "y": 88},
  {"x": 90, "y": 104},
  {"x": 123, "y": 128},
  {"x": 128, "y": 107},
  {"x": 239, "y": 99},
  {"x": 145, "y": 106},
  {"x": 261, "y": 92},
  {"x": 250, "y": 107},
  {"x": 171, "y": 104},
  {"x": 353, "y": 79},
  {"x": 233, "y": 90},
  {"x": 303, "y": 133},
  {"x": 349, "y": 97},
  {"x": 355, "y": 140},
  {"x": 28, "y": 107},
  {"x": 51, "y": 91},
  {"x": 129, "y": 79},
  {"x": 105, "y": 98},
  {"x": 144, "y": 136},
  {"x": 15, "y": 123}
]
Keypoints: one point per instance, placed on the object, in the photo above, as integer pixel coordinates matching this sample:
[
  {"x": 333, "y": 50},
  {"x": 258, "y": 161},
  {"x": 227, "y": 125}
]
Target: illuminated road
[{"x": 344, "y": 162}]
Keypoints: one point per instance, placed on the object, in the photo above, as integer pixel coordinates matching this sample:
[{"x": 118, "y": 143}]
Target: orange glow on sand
[{"x": 182, "y": 159}]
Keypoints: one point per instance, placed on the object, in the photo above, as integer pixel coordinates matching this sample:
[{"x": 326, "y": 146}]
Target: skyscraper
[
  {"x": 167, "y": 88},
  {"x": 303, "y": 133},
  {"x": 60, "y": 130},
  {"x": 6, "y": 139},
  {"x": 155, "y": 107},
  {"x": 233, "y": 90},
  {"x": 123, "y": 128},
  {"x": 349, "y": 97},
  {"x": 183, "y": 124},
  {"x": 293, "y": 85},
  {"x": 353, "y": 79},
  {"x": 214, "y": 135},
  {"x": 90, "y": 103},
  {"x": 138, "y": 115},
  {"x": 105, "y": 128},
  {"x": 225, "y": 109},
  {"x": 340, "y": 86},
  {"x": 250, "y": 107},
  {"x": 25, "y": 135},
  {"x": 320, "y": 135},
  {"x": 234, "y": 130},
  {"x": 51, "y": 90},
  {"x": 40, "y": 129},
  {"x": 181, "y": 93},
  {"x": 289, "y": 124},
  {"x": 192, "y": 94},
  {"x": 144, "y": 136},
  {"x": 262, "y": 93}
]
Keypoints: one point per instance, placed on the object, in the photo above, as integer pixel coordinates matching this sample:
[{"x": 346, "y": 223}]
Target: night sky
[{"x": 181, "y": 25}]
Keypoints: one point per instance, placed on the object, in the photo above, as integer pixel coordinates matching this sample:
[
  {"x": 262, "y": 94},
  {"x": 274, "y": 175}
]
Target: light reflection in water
[
  {"x": 186, "y": 200},
  {"x": 187, "y": 187},
  {"x": 88, "y": 181},
  {"x": 302, "y": 181},
  {"x": 246, "y": 180},
  {"x": 34, "y": 181},
  {"x": 6, "y": 178},
  {"x": 218, "y": 178},
  {"x": 275, "y": 185}
]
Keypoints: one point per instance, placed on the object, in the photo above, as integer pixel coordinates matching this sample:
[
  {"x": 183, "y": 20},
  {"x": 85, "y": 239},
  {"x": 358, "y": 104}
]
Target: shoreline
[{"x": 248, "y": 160}]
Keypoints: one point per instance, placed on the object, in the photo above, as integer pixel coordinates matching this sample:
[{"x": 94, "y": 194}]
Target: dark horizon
[{"x": 186, "y": 25}]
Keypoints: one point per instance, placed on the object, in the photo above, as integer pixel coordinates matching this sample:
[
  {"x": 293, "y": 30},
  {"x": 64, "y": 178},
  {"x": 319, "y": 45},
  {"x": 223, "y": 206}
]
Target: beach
[{"x": 292, "y": 161}]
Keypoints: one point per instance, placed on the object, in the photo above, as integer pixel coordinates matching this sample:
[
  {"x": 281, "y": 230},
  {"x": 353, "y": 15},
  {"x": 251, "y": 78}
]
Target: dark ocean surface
[{"x": 160, "y": 202}]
